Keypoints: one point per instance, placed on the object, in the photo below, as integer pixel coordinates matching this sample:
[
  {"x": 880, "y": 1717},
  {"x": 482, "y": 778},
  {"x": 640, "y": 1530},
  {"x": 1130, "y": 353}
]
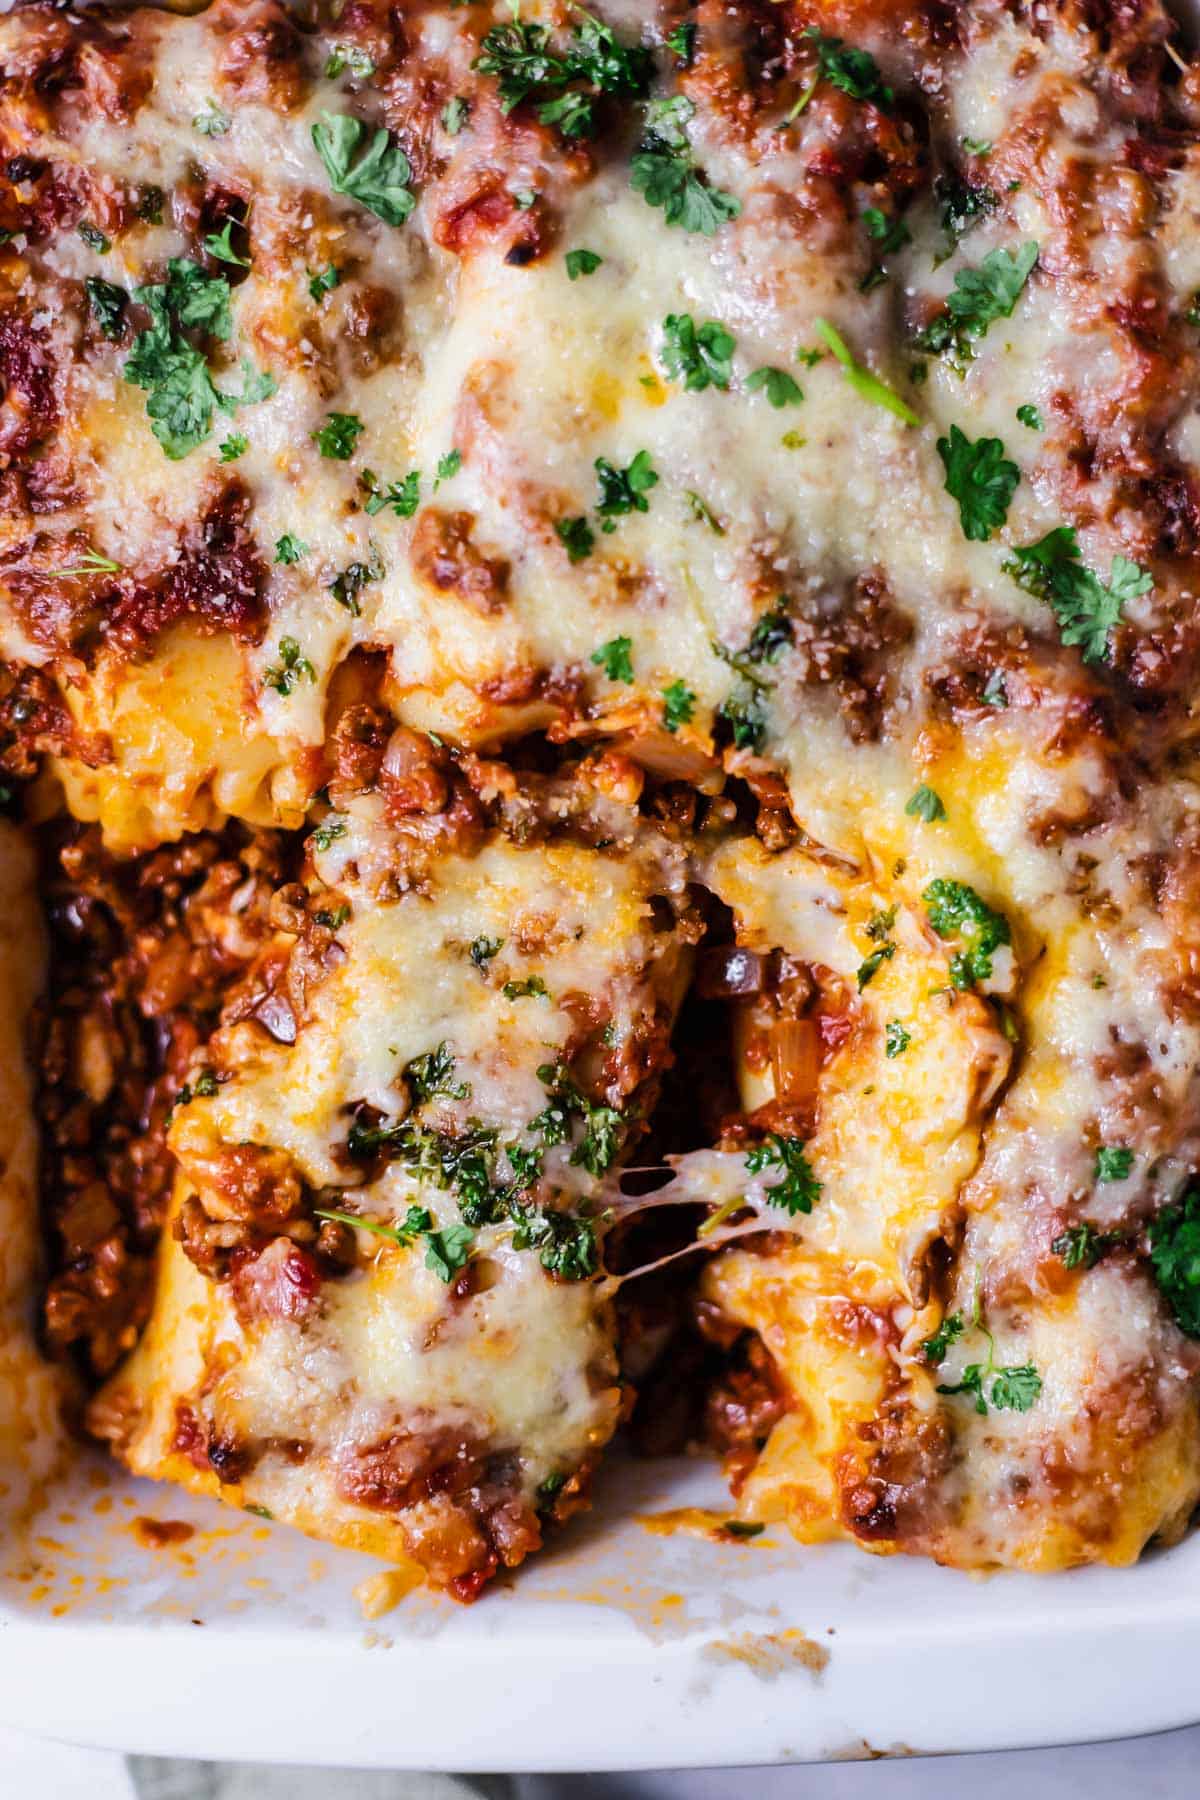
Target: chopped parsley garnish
[
  {"x": 861, "y": 380},
  {"x": 614, "y": 659},
  {"x": 291, "y": 668},
  {"x": 982, "y": 480},
  {"x": 339, "y": 435},
  {"x": 565, "y": 1243},
  {"x": 581, "y": 262},
  {"x": 855, "y": 72},
  {"x": 333, "y": 921},
  {"x": 1014, "y": 1386},
  {"x": 576, "y": 536},
  {"x": 530, "y": 987},
  {"x": 403, "y": 497},
  {"x": 182, "y": 397},
  {"x": 289, "y": 549},
  {"x": 679, "y": 703},
  {"x": 374, "y": 174},
  {"x": 797, "y": 1188},
  {"x": 447, "y": 468},
  {"x": 219, "y": 245},
  {"x": 935, "y": 1349},
  {"x": 963, "y": 204},
  {"x": 744, "y": 1529},
  {"x": 213, "y": 123},
  {"x": 1086, "y": 608},
  {"x": 429, "y": 1075},
  {"x": 603, "y": 1125},
  {"x": 482, "y": 950},
  {"x": 349, "y": 56},
  {"x": 454, "y": 115},
  {"x": 94, "y": 238},
  {"x": 347, "y": 586},
  {"x": 778, "y": 386},
  {"x": 682, "y": 43},
  {"x": 624, "y": 490},
  {"x": 955, "y": 910},
  {"x": 1175, "y": 1259},
  {"x": 663, "y": 172},
  {"x": 519, "y": 55},
  {"x": 1113, "y": 1162},
  {"x": 976, "y": 146},
  {"x": 698, "y": 355},
  {"x": 870, "y": 967},
  {"x": 233, "y": 446},
  {"x": 446, "y": 1251},
  {"x": 896, "y": 1039},
  {"x": 108, "y": 303},
  {"x": 324, "y": 283},
  {"x": 150, "y": 204},
  {"x": 703, "y": 511},
  {"x": 925, "y": 804},
  {"x": 202, "y": 1088},
  {"x": 1030, "y": 416},
  {"x": 744, "y": 711},
  {"x": 979, "y": 297},
  {"x": 1082, "y": 1246},
  {"x": 328, "y": 831},
  {"x": 887, "y": 235}
]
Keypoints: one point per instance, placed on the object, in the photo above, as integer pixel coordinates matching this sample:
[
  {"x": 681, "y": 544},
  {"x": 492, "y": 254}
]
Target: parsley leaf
[
  {"x": 703, "y": 511},
  {"x": 861, "y": 380},
  {"x": 888, "y": 235},
  {"x": 1030, "y": 416},
  {"x": 519, "y": 55},
  {"x": 868, "y": 969},
  {"x": 1175, "y": 1259},
  {"x": 679, "y": 703},
  {"x": 855, "y": 72},
  {"x": 963, "y": 204},
  {"x": 935, "y": 1349},
  {"x": 482, "y": 949},
  {"x": 624, "y": 490},
  {"x": 374, "y": 174},
  {"x": 798, "y": 1187},
  {"x": 1082, "y": 1246},
  {"x": 1086, "y": 609},
  {"x": 108, "y": 303},
  {"x": 331, "y": 828},
  {"x": 566, "y": 1244},
  {"x": 325, "y": 282},
  {"x": 531, "y": 987},
  {"x": 352, "y": 57},
  {"x": 956, "y": 910},
  {"x": 699, "y": 356},
  {"x": 925, "y": 804},
  {"x": 219, "y": 245},
  {"x": 896, "y": 1039},
  {"x": 94, "y": 238},
  {"x": 1014, "y": 1389},
  {"x": 979, "y": 297},
  {"x": 182, "y": 396},
  {"x": 429, "y": 1075},
  {"x": 981, "y": 478},
  {"x": 1113, "y": 1162},
  {"x": 347, "y": 586},
  {"x": 581, "y": 262},
  {"x": 404, "y": 497},
  {"x": 663, "y": 172},
  {"x": 339, "y": 435},
  {"x": 289, "y": 549},
  {"x": 447, "y": 468},
  {"x": 233, "y": 446},
  {"x": 576, "y": 536},
  {"x": 454, "y": 115},
  {"x": 603, "y": 1125},
  {"x": 780, "y": 389},
  {"x": 614, "y": 659},
  {"x": 291, "y": 668},
  {"x": 213, "y": 123},
  {"x": 744, "y": 711},
  {"x": 446, "y": 1252},
  {"x": 682, "y": 43}
]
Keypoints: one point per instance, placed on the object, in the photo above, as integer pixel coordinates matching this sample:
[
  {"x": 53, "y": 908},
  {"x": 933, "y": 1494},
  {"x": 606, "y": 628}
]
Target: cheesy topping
[{"x": 597, "y": 483}]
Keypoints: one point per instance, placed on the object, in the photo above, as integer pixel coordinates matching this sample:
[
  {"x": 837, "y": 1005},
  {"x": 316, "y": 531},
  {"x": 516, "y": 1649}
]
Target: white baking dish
[{"x": 620, "y": 1648}]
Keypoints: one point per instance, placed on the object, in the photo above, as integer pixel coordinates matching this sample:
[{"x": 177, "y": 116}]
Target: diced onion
[{"x": 795, "y": 1059}]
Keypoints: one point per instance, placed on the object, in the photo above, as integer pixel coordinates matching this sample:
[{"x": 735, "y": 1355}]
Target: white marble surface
[{"x": 1155, "y": 1768}]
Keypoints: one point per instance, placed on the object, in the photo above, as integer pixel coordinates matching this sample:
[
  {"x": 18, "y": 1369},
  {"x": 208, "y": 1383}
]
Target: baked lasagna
[{"x": 599, "y": 610}]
